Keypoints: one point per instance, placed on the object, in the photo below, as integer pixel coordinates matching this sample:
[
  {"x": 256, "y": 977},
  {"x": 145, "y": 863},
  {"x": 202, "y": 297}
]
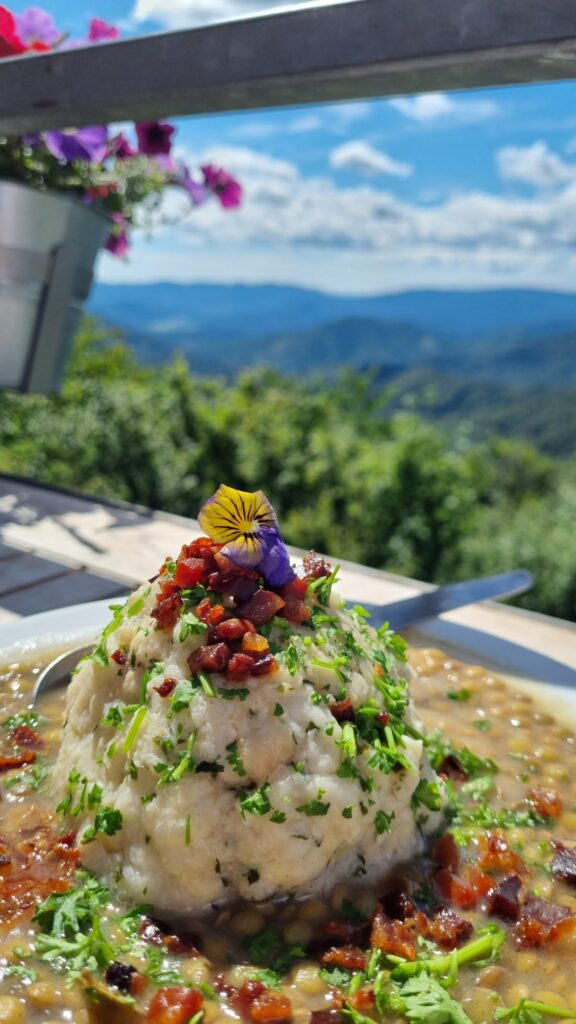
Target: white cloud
[
  {"x": 189, "y": 13},
  {"x": 358, "y": 155},
  {"x": 534, "y": 165},
  {"x": 437, "y": 106}
]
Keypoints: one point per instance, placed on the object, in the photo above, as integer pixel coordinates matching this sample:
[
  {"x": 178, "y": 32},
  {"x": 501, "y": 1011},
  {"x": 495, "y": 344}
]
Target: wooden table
[{"x": 59, "y": 549}]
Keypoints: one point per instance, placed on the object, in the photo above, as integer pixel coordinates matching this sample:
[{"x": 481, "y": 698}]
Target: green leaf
[
  {"x": 190, "y": 625},
  {"x": 256, "y": 802},
  {"x": 107, "y": 822},
  {"x": 314, "y": 808}
]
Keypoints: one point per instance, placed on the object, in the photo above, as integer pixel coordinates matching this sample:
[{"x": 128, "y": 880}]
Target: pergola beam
[{"x": 310, "y": 54}]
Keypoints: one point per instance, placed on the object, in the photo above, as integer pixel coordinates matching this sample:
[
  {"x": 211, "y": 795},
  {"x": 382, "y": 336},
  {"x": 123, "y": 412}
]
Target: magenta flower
[
  {"x": 79, "y": 144},
  {"x": 226, "y": 189},
  {"x": 36, "y": 26},
  {"x": 100, "y": 31},
  {"x": 198, "y": 193},
  {"x": 117, "y": 242},
  {"x": 155, "y": 137},
  {"x": 120, "y": 147},
  {"x": 166, "y": 163}
]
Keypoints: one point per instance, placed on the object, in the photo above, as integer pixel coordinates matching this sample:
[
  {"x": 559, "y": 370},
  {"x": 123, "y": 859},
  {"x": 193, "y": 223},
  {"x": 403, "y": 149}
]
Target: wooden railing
[{"x": 303, "y": 55}]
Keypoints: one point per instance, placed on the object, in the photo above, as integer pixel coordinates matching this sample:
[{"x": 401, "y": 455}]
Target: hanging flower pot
[{"x": 48, "y": 245}]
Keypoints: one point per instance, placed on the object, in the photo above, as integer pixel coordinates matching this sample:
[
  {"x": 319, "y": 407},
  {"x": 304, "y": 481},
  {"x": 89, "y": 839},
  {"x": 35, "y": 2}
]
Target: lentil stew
[{"x": 481, "y": 927}]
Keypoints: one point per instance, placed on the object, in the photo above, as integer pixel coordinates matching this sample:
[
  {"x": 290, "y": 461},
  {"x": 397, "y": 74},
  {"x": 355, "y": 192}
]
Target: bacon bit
[
  {"x": 204, "y": 608},
  {"x": 477, "y": 880},
  {"x": 496, "y": 855},
  {"x": 383, "y": 717},
  {"x": 232, "y": 629},
  {"x": 237, "y": 588},
  {"x": 212, "y": 658},
  {"x": 189, "y": 571},
  {"x": 542, "y": 921},
  {"x": 255, "y": 643},
  {"x": 343, "y": 710},
  {"x": 226, "y": 565},
  {"x": 503, "y": 899},
  {"x": 223, "y": 988},
  {"x": 295, "y": 590},
  {"x": 8, "y": 761},
  {"x": 295, "y": 610},
  {"x": 153, "y": 933},
  {"x": 239, "y": 667},
  {"x": 199, "y": 548},
  {"x": 340, "y": 933},
  {"x": 564, "y": 863},
  {"x": 391, "y": 936},
  {"x": 450, "y": 768},
  {"x": 455, "y": 890},
  {"x": 262, "y": 607},
  {"x": 265, "y": 666},
  {"x": 216, "y": 614},
  {"x": 168, "y": 606},
  {"x": 271, "y": 1006},
  {"x": 352, "y": 958},
  {"x": 545, "y": 802},
  {"x": 26, "y": 736},
  {"x": 448, "y": 929},
  {"x": 174, "y": 1005},
  {"x": 363, "y": 999},
  {"x": 446, "y": 852},
  {"x": 119, "y": 657},
  {"x": 331, "y": 1016},
  {"x": 315, "y": 567},
  {"x": 397, "y": 905},
  {"x": 166, "y": 687}
]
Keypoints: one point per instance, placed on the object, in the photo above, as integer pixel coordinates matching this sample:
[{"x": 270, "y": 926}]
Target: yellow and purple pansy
[{"x": 246, "y": 524}]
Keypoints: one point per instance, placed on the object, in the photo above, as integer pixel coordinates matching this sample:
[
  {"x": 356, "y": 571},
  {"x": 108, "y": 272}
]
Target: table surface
[{"x": 59, "y": 549}]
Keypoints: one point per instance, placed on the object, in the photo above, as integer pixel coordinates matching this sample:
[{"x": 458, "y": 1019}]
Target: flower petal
[
  {"x": 275, "y": 565},
  {"x": 230, "y": 515}
]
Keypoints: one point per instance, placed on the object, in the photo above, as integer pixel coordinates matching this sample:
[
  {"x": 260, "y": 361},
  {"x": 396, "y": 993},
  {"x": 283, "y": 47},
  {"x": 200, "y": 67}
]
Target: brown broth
[{"x": 531, "y": 750}]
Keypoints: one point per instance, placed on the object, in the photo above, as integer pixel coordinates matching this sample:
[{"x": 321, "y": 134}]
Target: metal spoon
[{"x": 398, "y": 613}]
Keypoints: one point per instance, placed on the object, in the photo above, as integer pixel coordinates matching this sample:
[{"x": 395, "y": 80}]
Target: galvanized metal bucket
[{"x": 48, "y": 245}]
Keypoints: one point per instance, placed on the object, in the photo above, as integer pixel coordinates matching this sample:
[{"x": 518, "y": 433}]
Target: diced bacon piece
[
  {"x": 120, "y": 657},
  {"x": 255, "y": 643},
  {"x": 397, "y": 905},
  {"x": 231, "y": 629},
  {"x": 189, "y": 571},
  {"x": 295, "y": 610},
  {"x": 448, "y": 929},
  {"x": 167, "y": 686},
  {"x": 270, "y": 1006},
  {"x": 211, "y": 658},
  {"x": 479, "y": 881},
  {"x": 503, "y": 899},
  {"x": 564, "y": 863},
  {"x": 215, "y": 615},
  {"x": 351, "y": 958},
  {"x": 203, "y": 608},
  {"x": 450, "y": 768},
  {"x": 455, "y": 890},
  {"x": 340, "y": 933},
  {"x": 262, "y": 607},
  {"x": 238, "y": 588},
  {"x": 8, "y": 761},
  {"x": 542, "y": 921},
  {"x": 264, "y": 666},
  {"x": 331, "y": 1016},
  {"x": 383, "y": 717},
  {"x": 296, "y": 589},
  {"x": 239, "y": 667},
  {"x": 174, "y": 1005},
  {"x": 363, "y": 999},
  {"x": 545, "y": 802},
  {"x": 496, "y": 854},
  {"x": 446, "y": 852},
  {"x": 168, "y": 606},
  {"x": 315, "y": 567},
  {"x": 391, "y": 936},
  {"x": 199, "y": 548},
  {"x": 26, "y": 736},
  {"x": 225, "y": 564},
  {"x": 343, "y": 710}
]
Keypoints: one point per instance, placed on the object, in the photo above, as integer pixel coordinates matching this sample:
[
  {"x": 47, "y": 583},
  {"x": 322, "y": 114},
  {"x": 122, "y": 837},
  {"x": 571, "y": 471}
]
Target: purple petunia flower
[
  {"x": 198, "y": 193},
  {"x": 117, "y": 242},
  {"x": 227, "y": 190},
  {"x": 100, "y": 31},
  {"x": 36, "y": 26},
  {"x": 155, "y": 137},
  {"x": 79, "y": 144},
  {"x": 120, "y": 147}
]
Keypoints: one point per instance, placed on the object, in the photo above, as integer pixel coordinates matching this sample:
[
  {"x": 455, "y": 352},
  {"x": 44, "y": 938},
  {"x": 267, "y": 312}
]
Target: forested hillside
[{"x": 348, "y": 472}]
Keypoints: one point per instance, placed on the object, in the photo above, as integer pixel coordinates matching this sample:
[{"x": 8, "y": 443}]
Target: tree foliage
[{"x": 345, "y": 477}]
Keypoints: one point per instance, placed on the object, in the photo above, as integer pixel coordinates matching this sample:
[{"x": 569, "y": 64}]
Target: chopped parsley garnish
[
  {"x": 463, "y": 694},
  {"x": 483, "y": 724},
  {"x": 427, "y": 794},
  {"x": 30, "y": 718},
  {"x": 239, "y": 693},
  {"x": 107, "y": 822},
  {"x": 321, "y": 589},
  {"x": 189, "y": 626},
  {"x": 314, "y": 808},
  {"x": 100, "y": 654},
  {"x": 256, "y": 802},
  {"x": 383, "y": 822},
  {"x": 234, "y": 759}
]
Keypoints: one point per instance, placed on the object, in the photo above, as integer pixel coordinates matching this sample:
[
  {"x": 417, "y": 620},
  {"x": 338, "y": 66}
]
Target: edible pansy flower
[{"x": 246, "y": 524}]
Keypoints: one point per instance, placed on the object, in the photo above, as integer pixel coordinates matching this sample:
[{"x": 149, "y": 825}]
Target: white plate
[{"x": 49, "y": 633}]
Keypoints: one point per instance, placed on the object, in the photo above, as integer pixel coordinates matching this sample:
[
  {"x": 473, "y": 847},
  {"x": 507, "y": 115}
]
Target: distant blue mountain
[{"x": 229, "y": 313}]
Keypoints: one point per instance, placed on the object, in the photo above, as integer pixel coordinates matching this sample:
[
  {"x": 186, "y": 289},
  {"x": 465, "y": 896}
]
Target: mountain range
[{"x": 502, "y": 360}]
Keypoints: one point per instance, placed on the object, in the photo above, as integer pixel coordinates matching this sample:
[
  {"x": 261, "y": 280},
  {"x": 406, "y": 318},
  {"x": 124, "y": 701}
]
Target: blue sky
[{"x": 445, "y": 190}]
